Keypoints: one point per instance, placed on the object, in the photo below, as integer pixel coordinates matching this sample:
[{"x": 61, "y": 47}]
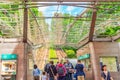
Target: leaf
[{"x": 1, "y": 34}]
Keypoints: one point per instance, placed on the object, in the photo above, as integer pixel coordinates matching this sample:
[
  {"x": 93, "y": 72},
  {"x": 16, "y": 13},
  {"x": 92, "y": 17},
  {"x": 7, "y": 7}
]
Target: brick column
[{"x": 95, "y": 63}]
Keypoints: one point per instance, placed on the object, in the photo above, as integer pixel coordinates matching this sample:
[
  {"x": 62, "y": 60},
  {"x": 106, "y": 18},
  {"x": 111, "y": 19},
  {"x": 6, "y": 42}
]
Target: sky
[{"x": 49, "y": 11}]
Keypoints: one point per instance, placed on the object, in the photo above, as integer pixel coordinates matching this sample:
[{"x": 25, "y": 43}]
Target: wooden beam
[
  {"x": 25, "y": 25},
  {"x": 92, "y": 25},
  {"x": 116, "y": 37},
  {"x": 74, "y": 0},
  {"x": 68, "y": 4},
  {"x": 25, "y": 28},
  {"x": 82, "y": 45},
  {"x": 48, "y": 17}
]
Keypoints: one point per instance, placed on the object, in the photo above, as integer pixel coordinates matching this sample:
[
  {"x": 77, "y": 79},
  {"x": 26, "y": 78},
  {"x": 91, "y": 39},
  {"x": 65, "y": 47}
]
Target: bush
[
  {"x": 52, "y": 54},
  {"x": 70, "y": 53}
]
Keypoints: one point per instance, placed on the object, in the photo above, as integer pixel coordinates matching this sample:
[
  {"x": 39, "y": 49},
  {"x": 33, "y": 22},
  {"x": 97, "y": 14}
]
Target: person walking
[
  {"x": 70, "y": 70},
  {"x": 52, "y": 71},
  {"x": 47, "y": 67},
  {"x": 105, "y": 74},
  {"x": 80, "y": 71},
  {"x": 44, "y": 76},
  {"x": 61, "y": 71},
  {"x": 36, "y": 72}
]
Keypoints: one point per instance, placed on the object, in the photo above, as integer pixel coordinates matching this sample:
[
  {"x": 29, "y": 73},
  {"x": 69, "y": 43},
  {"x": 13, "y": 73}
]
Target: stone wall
[
  {"x": 107, "y": 49},
  {"x": 98, "y": 49},
  {"x": 15, "y": 48}
]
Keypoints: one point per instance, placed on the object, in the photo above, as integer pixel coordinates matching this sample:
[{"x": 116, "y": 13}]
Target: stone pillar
[
  {"x": 95, "y": 63},
  {"x": 25, "y": 61},
  {"x": 119, "y": 57}
]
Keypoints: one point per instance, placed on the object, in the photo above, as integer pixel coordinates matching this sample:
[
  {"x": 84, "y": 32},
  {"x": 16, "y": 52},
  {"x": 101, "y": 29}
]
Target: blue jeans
[
  {"x": 68, "y": 76},
  {"x": 51, "y": 78},
  {"x": 61, "y": 78}
]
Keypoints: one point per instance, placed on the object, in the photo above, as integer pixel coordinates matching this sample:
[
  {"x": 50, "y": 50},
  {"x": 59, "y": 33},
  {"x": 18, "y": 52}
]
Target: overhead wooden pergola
[
  {"x": 79, "y": 3},
  {"x": 65, "y": 2},
  {"x": 28, "y": 4}
]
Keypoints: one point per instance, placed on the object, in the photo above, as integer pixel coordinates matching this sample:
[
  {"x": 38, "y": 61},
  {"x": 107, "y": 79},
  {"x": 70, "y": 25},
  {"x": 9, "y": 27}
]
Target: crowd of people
[
  {"x": 60, "y": 71},
  {"x": 66, "y": 71}
]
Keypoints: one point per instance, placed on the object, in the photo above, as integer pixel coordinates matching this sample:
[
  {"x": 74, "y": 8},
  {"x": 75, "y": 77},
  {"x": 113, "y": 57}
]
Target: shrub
[{"x": 52, "y": 54}]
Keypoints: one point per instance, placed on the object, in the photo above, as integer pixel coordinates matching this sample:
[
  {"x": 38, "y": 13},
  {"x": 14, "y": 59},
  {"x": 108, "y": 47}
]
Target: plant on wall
[{"x": 111, "y": 31}]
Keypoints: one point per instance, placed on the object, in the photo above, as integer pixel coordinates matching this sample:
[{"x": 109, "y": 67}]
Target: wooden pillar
[
  {"x": 25, "y": 29},
  {"x": 95, "y": 63},
  {"x": 25, "y": 24},
  {"x": 94, "y": 15}
]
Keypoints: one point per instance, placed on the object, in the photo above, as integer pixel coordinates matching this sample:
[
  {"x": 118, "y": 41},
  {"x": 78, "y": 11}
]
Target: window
[
  {"x": 111, "y": 63},
  {"x": 9, "y": 67}
]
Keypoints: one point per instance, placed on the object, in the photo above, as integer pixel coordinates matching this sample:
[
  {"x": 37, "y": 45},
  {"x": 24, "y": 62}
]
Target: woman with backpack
[
  {"x": 61, "y": 71},
  {"x": 36, "y": 72},
  {"x": 105, "y": 73}
]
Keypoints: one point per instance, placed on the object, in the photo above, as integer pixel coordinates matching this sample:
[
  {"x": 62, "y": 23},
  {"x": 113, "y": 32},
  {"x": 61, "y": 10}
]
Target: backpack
[
  {"x": 36, "y": 71},
  {"x": 60, "y": 70},
  {"x": 46, "y": 67}
]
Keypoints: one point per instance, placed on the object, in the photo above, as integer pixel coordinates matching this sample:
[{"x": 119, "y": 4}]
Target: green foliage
[
  {"x": 77, "y": 31},
  {"x": 111, "y": 31},
  {"x": 9, "y": 15},
  {"x": 35, "y": 11},
  {"x": 52, "y": 54},
  {"x": 108, "y": 9},
  {"x": 118, "y": 40},
  {"x": 1, "y": 34},
  {"x": 71, "y": 37},
  {"x": 5, "y": 6},
  {"x": 106, "y": 12},
  {"x": 67, "y": 21},
  {"x": 107, "y": 23},
  {"x": 69, "y": 48},
  {"x": 80, "y": 29},
  {"x": 70, "y": 53}
]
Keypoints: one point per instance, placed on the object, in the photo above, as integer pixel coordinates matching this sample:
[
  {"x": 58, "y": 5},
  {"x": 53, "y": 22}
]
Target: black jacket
[{"x": 52, "y": 71}]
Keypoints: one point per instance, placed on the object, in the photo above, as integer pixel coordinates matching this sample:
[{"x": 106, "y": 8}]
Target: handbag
[{"x": 71, "y": 71}]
